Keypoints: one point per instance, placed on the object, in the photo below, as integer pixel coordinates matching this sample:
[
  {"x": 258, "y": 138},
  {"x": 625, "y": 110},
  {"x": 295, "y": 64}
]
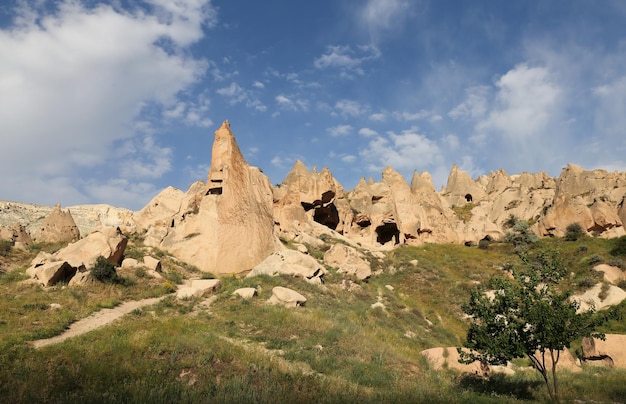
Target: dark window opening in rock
[
  {"x": 327, "y": 215},
  {"x": 468, "y": 197},
  {"x": 409, "y": 236},
  {"x": 307, "y": 206},
  {"x": 172, "y": 223},
  {"x": 363, "y": 222},
  {"x": 386, "y": 232},
  {"x": 328, "y": 196},
  {"x": 376, "y": 198},
  {"x": 215, "y": 191}
]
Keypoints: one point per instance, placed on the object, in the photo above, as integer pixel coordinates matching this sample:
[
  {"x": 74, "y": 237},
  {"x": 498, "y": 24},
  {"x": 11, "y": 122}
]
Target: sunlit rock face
[{"x": 222, "y": 226}]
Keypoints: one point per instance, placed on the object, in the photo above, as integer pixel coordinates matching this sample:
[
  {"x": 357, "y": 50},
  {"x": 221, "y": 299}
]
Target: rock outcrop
[
  {"x": 58, "y": 226},
  {"x": 223, "y": 226},
  {"x": 607, "y": 353}
]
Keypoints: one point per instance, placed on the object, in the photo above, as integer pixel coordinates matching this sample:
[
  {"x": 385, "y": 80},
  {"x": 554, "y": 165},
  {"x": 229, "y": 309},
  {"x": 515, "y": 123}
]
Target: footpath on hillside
[{"x": 96, "y": 320}]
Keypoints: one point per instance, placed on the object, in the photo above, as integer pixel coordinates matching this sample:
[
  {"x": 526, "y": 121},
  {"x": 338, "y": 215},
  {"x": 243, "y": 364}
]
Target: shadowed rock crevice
[{"x": 387, "y": 232}]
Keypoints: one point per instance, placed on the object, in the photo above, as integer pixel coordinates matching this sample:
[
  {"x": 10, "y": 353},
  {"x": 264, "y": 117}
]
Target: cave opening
[
  {"x": 468, "y": 197},
  {"x": 386, "y": 232},
  {"x": 327, "y": 215}
]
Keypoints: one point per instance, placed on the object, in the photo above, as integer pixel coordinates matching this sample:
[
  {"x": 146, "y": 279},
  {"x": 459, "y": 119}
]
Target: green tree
[
  {"x": 104, "y": 271},
  {"x": 527, "y": 316},
  {"x": 521, "y": 236}
]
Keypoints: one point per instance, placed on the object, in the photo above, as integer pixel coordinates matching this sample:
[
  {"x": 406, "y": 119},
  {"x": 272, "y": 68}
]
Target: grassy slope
[{"x": 335, "y": 349}]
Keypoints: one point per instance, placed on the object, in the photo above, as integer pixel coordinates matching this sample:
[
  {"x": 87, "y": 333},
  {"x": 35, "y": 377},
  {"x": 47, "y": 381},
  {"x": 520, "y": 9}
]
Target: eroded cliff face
[{"x": 390, "y": 212}]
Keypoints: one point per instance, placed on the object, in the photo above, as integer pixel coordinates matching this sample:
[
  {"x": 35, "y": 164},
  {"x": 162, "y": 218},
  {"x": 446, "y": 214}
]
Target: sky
[{"x": 112, "y": 101}]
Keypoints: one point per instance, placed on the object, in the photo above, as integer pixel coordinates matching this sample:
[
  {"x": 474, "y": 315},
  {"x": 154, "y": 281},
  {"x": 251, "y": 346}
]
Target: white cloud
[
  {"x": 348, "y": 158},
  {"x": 381, "y": 16},
  {"x": 378, "y": 117},
  {"x": 348, "y": 108},
  {"x": 475, "y": 105},
  {"x": 526, "y": 103},
  {"x": 367, "y": 132},
  {"x": 258, "y": 84},
  {"x": 146, "y": 160},
  {"x": 74, "y": 81},
  {"x": 414, "y": 116},
  {"x": 339, "y": 130},
  {"x": 346, "y": 59},
  {"x": 291, "y": 103},
  {"x": 403, "y": 151},
  {"x": 451, "y": 141}
]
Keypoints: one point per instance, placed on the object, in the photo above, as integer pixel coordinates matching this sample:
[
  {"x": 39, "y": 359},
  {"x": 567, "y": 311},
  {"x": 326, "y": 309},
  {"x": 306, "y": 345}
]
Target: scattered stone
[
  {"x": 348, "y": 260},
  {"x": 389, "y": 287},
  {"x": 152, "y": 264},
  {"x": 448, "y": 358},
  {"x": 129, "y": 263},
  {"x": 245, "y": 293},
  {"x": 82, "y": 278},
  {"x": 51, "y": 273},
  {"x": 378, "y": 305},
  {"x": 291, "y": 263},
  {"x": 55, "y": 306},
  {"x": 198, "y": 288},
  {"x": 286, "y": 297},
  {"x": 593, "y": 297}
]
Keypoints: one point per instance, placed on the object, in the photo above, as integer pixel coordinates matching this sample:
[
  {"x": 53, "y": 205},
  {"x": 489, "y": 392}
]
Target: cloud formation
[{"x": 75, "y": 81}]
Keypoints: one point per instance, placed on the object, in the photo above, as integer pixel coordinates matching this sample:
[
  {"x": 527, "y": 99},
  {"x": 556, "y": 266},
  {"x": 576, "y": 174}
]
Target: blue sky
[{"x": 110, "y": 102}]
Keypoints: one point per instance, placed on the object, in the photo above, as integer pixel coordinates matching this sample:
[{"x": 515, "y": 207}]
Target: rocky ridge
[{"x": 233, "y": 221}]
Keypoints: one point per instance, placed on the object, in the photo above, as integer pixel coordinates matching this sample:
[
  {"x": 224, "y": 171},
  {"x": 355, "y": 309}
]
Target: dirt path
[{"x": 96, "y": 320}]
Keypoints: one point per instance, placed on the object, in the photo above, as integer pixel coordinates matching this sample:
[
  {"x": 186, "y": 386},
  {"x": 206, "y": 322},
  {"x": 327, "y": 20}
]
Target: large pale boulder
[
  {"x": 348, "y": 260},
  {"x": 58, "y": 226},
  {"x": 108, "y": 242},
  {"x": 286, "y": 297},
  {"x": 50, "y": 273},
  {"x": 608, "y": 353},
  {"x": 290, "y": 263},
  {"x": 198, "y": 288},
  {"x": 600, "y": 299},
  {"x": 610, "y": 273},
  {"x": 230, "y": 227}
]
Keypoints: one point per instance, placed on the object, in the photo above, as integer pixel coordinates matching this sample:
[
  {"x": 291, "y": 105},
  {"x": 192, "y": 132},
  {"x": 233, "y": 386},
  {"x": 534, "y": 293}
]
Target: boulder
[
  {"x": 286, "y": 297},
  {"x": 58, "y": 226},
  {"x": 130, "y": 263},
  {"x": 152, "y": 264},
  {"x": 611, "y": 274},
  {"x": 291, "y": 263},
  {"x": 50, "y": 273},
  {"x": 594, "y": 297},
  {"x": 198, "y": 288},
  {"x": 108, "y": 242},
  {"x": 607, "y": 353},
  {"x": 82, "y": 278},
  {"x": 245, "y": 293},
  {"x": 348, "y": 260}
]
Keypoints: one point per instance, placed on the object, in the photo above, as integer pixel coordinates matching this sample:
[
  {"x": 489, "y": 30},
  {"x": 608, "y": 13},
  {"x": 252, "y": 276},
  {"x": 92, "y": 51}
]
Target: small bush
[
  {"x": 574, "y": 231},
  {"x": 484, "y": 244},
  {"x": 510, "y": 221},
  {"x": 140, "y": 272},
  {"x": 619, "y": 247},
  {"x": 582, "y": 248},
  {"x": 104, "y": 271},
  {"x": 587, "y": 283},
  {"x": 5, "y": 247},
  {"x": 521, "y": 236},
  {"x": 595, "y": 259},
  {"x": 622, "y": 284}
]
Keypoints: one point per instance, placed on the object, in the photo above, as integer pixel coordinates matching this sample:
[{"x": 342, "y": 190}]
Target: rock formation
[
  {"x": 223, "y": 226},
  {"x": 58, "y": 226}
]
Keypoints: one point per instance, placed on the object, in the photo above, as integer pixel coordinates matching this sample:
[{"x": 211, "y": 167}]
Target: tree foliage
[
  {"x": 574, "y": 231},
  {"x": 527, "y": 316},
  {"x": 521, "y": 236},
  {"x": 104, "y": 271}
]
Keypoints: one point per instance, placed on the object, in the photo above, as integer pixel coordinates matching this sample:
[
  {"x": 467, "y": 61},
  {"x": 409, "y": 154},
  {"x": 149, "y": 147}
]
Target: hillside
[{"x": 338, "y": 347}]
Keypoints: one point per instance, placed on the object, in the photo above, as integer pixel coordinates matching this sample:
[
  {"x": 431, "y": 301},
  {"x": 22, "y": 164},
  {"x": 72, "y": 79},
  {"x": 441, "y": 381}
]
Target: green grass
[{"x": 336, "y": 348}]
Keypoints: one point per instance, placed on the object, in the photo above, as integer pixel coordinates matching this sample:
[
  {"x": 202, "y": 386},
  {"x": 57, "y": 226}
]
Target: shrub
[
  {"x": 595, "y": 259},
  {"x": 510, "y": 221},
  {"x": 619, "y": 247},
  {"x": 622, "y": 284},
  {"x": 5, "y": 247},
  {"x": 521, "y": 236},
  {"x": 484, "y": 244},
  {"x": 582, "y": 248},
  {"x": 587, "y": 283},
  {"x": 104, "y": 271},
  {"x": 574, "y": 231}
]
